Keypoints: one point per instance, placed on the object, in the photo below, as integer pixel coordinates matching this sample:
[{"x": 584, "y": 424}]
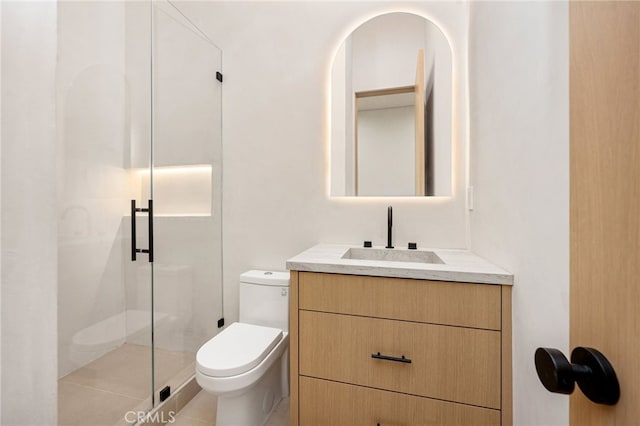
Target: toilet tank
[{"x": 264, "y": 298}]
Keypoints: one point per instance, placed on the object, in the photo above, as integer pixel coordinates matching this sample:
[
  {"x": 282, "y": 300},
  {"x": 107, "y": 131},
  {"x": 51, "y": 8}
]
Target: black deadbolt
[{"x": 589, "y": 368}]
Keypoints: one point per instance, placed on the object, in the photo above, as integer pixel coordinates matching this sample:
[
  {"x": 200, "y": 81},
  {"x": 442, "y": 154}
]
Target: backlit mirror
[{"x": 391, "y": 103}]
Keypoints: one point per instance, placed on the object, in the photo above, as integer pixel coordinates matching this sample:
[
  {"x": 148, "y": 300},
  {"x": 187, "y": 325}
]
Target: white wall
[
  {"x": 29, "y": 332},
  {"x": 520, "y": 172},
  {"x": 277, "y": 65}
]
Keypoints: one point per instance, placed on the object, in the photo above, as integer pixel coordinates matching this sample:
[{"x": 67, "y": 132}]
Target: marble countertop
[{"x": 458, "y": 266}]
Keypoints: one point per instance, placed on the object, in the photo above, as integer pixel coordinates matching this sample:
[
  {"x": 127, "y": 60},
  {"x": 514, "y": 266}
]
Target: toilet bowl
[{"x": 247, "y": 364}]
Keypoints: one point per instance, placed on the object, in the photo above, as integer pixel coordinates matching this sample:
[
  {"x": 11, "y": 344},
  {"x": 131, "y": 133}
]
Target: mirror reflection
[{"x": 391, "y": 106}]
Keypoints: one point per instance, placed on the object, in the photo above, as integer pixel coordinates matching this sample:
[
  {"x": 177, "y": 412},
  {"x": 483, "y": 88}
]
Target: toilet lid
[{"x": 237, "y": 349}]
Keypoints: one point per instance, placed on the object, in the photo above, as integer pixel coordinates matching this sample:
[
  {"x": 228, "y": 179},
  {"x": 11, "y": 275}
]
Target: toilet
[{"x": 247, "y": 364}]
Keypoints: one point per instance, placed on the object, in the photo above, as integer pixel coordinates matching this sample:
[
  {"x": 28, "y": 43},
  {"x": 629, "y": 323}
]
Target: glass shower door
[
  {"x": 103, "y": 153},
  {"x": 139, "y": 120},
  {"x": 186, "y": 191}
]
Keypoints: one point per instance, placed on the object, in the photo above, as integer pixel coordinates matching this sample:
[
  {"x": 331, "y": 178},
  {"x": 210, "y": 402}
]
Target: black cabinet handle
[
  {"x": 134, "y": 248},
  {"x": 391, "y": 358},
  {"x": 589, "y": 368}
]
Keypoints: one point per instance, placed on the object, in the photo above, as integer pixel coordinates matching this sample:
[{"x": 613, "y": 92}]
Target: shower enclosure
[{"x": 139, "y": 123}]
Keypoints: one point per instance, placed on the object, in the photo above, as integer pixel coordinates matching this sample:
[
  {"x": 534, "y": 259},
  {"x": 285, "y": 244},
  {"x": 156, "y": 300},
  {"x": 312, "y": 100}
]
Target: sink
[{"x": 392, "y": 255}]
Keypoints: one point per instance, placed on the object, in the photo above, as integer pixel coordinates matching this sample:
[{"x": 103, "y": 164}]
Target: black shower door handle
[{"x": 134, "y": 248}]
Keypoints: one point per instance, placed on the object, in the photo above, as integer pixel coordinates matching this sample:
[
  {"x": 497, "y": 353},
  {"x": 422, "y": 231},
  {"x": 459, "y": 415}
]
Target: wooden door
[
  {"x": 419, "y": 125},
  {"x": 605, "y": 199}
]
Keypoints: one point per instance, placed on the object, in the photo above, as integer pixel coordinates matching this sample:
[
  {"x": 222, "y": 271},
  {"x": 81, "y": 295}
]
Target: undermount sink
[{"x": 392, "y": 255}]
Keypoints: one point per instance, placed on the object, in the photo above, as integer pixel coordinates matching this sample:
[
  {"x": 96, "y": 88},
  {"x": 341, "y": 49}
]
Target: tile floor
[
  {"x": 101, "y": 392},
  {"x": 201, "y": 411}
]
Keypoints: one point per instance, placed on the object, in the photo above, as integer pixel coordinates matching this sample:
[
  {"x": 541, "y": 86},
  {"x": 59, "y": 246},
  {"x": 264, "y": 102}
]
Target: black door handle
[
  {"x": 589, "y": 368},
  {"x": 134, "y": 248}
]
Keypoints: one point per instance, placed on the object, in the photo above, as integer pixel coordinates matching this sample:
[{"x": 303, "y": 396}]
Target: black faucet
[{"x": 389, "y": 226}]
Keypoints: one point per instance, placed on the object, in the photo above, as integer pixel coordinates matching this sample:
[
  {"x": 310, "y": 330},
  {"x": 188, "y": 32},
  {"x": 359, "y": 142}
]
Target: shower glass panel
[
  {"x": 138, "y": 118},
  {"x": 186, "y": 192},
  {"x": 103, "y": 113}
]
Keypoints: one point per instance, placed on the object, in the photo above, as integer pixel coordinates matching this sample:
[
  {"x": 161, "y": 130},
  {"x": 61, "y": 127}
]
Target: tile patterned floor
[
  {"x": 101, "y": 392},
  {"x": 201, "y": 411}
]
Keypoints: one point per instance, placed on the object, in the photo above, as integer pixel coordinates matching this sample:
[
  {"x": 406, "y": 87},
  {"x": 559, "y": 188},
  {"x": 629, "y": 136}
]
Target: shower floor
[{"x": 101, "y": 392}]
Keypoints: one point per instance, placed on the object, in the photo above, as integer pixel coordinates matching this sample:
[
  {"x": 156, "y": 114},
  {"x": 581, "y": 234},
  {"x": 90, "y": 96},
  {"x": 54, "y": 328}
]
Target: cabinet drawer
[
  {"x": 330, "y": 403},
  {"x": 438, "y": 302},
  {"x": 451, "y": 363}
]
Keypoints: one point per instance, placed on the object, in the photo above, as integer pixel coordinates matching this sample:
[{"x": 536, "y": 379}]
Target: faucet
[{"x": 389, "y": 226}]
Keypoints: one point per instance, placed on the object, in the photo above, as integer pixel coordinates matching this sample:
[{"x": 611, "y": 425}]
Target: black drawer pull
[{"x": 391, "y": 358}]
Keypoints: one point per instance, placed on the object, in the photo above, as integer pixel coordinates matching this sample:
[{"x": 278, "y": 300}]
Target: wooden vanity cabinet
[{"x": 376, "y": 350}]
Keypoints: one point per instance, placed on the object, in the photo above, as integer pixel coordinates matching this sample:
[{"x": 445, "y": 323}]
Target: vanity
[{"x": 381, "y": 337}]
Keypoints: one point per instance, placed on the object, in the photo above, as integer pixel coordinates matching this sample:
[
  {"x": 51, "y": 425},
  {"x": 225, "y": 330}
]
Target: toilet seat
[{"x": 237, "y": 349}]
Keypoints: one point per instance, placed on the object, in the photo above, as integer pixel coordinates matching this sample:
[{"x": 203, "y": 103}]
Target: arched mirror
[{"x": 391, "y": 109}]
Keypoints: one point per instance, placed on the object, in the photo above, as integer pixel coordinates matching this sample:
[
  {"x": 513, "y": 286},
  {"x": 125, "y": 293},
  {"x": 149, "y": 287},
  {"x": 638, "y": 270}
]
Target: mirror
[{"x": 391, "y": 110}]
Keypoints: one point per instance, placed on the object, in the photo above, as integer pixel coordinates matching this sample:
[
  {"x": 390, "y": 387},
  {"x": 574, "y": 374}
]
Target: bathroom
[{"x": 510, "y": 151}]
